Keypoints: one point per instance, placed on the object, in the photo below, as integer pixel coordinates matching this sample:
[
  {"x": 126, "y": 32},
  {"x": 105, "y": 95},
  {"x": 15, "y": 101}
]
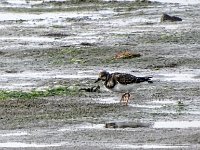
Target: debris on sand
[
  {"x": 86, "y": 44},
  {"x": 92, "y": 89},
  {"x": 126, "y": 55},
  {"x": 136, "y": 124},
  {"x": 166, "y": 17}
]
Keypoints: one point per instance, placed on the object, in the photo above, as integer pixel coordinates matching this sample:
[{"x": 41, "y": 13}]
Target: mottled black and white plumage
[{"x": 121, "y": 82}]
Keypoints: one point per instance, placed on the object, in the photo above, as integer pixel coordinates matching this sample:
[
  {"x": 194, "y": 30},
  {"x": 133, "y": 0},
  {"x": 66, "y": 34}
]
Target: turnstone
[{"x": 121, "y": 82}]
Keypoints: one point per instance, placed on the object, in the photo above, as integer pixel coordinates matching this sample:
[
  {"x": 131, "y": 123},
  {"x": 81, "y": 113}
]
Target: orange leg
[{"x": 125, "y": 98}]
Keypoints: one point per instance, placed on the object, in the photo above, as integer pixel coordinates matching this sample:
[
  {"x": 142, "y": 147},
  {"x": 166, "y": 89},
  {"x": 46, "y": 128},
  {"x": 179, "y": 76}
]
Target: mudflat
[{"x": 51, "y": 49}]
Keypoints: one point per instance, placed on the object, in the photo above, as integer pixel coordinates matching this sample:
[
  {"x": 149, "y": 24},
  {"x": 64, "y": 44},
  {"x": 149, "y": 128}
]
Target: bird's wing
[{"x": 124, "y": 78}]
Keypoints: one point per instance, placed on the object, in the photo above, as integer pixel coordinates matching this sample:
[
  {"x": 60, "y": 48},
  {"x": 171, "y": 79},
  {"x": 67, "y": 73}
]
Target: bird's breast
[
  {"x": 122, "y": 88},
  {"x": 110, "y": 84}
]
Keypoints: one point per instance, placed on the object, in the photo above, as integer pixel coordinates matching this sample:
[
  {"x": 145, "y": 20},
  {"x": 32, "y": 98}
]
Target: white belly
[{"x": 122, "y": 88}]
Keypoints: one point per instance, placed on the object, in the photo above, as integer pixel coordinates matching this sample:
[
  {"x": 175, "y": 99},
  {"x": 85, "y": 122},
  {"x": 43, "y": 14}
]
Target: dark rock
[
  {"x": 143, "y": 1},
  {"x": 13, "y": 71},
  {"x": 2, "y": 53},
  {"x": 86, "y": 44},
  {"x": 166, "y": 17},
  {"x": 57, "y": 34}
]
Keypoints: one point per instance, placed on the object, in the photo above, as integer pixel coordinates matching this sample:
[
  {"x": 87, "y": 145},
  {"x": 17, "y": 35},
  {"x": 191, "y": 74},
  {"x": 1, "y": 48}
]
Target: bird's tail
[{"x": 144, "y": 79}]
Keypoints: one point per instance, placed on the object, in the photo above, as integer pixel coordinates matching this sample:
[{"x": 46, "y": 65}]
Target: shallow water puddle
[
  {"x": 113, "y": 100},
  {"x": 46, "y": 75},
  {"x": 109, "y": 100},
  {"x": 159, "y": 124},
  {"x": 164, "y": 102},
  {"x": 170, "y": 26},
  {"x": 29, "y": 80},
  {"x": 41, "y": 1},
  {"x": 177, "y": 112},
  {"x": 186, "y": 2},
  {"x": 145, "y": 106},
  {"x": 54, "y": 15},
  {"x": 28, "y": 39},
  {"x": 23, "y": 2},
  {"x": 26, "y": 145},
  {"x": 132, "y": 21},
  {"x": 14, "y": 134},
  {"x": 177, "y": 124},
  {"x": 169, "y": 1},
  {"x": 176, "y": 77},
  {"x": 108, "y": 145},
  {"x": 82, "y": 127},
  {"x": 150, "y": 146}
]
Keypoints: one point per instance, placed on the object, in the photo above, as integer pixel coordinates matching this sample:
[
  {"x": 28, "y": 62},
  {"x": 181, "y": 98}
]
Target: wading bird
[{"x": 121, "y": 82}]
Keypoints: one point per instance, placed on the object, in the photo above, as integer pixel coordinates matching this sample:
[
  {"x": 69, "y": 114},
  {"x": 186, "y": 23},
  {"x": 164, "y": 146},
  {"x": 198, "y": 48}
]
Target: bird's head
[{"x": 103, "y": 75}]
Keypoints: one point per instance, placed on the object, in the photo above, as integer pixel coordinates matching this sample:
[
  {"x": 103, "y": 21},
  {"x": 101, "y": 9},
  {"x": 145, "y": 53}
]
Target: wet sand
[{"x": 48, "y": 44}]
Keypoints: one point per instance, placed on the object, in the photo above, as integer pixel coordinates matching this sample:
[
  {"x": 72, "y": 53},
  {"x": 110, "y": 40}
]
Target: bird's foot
[{"x": 125, "y": 98}]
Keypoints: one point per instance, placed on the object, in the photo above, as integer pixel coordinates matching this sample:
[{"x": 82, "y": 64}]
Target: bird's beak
[{"x": 97, "y": 80}]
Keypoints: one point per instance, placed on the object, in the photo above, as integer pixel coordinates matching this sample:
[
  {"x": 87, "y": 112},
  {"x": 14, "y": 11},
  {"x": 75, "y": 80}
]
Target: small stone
[{"x": 166, "y": 17}]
